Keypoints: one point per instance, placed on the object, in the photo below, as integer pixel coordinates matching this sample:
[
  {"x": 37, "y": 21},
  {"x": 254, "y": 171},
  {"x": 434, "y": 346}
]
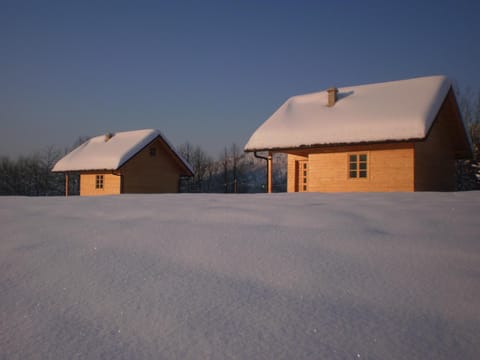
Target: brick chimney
[
  {"x": 108, "y": 136},
  {"x": 332, "y": 96}
]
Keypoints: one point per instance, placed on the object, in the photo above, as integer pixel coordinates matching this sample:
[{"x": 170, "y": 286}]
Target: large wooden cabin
[
  {"x": 139, "y": 161},
  {"x": 395, "y": 136}
]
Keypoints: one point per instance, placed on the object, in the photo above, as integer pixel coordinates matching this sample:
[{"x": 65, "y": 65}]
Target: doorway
[{"x": 301, "y": 176}]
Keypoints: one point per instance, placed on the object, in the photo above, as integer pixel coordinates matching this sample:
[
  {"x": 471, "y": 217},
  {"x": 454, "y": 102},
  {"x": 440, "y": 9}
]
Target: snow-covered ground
[{"x": 282, "y": 276}]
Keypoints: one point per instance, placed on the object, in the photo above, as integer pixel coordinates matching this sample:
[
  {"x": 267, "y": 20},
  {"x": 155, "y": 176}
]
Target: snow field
[{"x": 281, "y": 276}]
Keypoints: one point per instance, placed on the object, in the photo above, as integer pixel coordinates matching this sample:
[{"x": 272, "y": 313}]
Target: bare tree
[
  {"x": 235, "y": 156},
  {"x": 225, "y": 162},
  {"x": 202, "y": 166},
  {"x": 186, "y": 150},
  {"x": 468, "y": 171}
]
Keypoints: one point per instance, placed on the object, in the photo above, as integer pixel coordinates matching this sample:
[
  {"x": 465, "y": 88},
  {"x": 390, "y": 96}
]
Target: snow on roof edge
[{"x": 300, "y": 147}]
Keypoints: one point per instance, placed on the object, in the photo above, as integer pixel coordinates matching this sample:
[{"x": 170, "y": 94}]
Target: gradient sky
[{"x": 209, "y": 72}]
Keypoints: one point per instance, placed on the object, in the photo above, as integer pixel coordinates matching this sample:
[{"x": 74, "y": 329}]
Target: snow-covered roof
[
  {"x": 390, "y": 111},
  {"x": 111, "y": 151}
]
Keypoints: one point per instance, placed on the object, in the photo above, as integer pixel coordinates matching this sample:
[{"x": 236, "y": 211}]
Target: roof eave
[
  {"x": 83, "y": 170},
  {"x": 330, "y": 145}
]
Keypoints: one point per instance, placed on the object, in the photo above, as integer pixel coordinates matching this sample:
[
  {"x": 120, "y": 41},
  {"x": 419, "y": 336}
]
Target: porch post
[
  {"x": 66, "y": 184},
  {"x": 269, "y": 172}
]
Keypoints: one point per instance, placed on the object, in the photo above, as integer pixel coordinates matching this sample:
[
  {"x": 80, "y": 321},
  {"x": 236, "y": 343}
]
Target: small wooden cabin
[
  {"x": 141, "y": 161},
  {"x": 395, "y": 136}
]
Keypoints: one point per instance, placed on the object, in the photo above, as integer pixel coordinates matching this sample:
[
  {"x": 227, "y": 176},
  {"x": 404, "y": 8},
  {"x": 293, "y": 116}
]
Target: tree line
[
  {"x": 31, "y": 175},
  {"x": 232, "y": 172}
]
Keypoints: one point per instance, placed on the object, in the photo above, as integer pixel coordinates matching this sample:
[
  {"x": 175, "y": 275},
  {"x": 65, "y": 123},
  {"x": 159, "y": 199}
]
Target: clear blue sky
[{"x": 209, "y": 72}]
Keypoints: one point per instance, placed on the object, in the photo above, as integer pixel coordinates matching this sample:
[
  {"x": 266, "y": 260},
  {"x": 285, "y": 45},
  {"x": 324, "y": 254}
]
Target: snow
[
  {"x": 396, "y": 110},
  {"x": 99, "y": 154},
  {"x": 280, "y": 276}
]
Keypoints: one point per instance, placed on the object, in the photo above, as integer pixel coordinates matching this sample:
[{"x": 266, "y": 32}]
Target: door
[{"x": 301, "y": 176}]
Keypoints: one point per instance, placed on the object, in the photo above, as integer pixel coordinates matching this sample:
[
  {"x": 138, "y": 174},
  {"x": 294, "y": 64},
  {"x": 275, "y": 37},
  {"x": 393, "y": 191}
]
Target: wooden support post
[
  {"x": 66, "y": 184},
  {"x": 269, "y": 173},
  {"x": 269, "y": 169}
]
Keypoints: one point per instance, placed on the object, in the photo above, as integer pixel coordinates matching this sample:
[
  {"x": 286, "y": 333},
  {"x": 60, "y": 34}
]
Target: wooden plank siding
[
  {"x": 111, "y": 184},
  {"x": 152, "y": 174},
  {"x": 390, "y": 168},
  {"x": 435, "y": 156}
]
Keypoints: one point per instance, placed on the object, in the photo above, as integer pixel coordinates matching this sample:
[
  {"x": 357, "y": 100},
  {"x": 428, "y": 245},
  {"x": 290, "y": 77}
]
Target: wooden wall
[
  {"x": 390, "y": 168},
  {"x": 151, "y": 174},
  {"x": 111, "y": 184},
  {"x": 435, "y": 156}
]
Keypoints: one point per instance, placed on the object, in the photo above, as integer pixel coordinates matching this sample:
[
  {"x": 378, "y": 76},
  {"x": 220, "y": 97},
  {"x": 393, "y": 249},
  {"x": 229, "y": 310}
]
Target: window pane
[
  {"x": 304, "y": 173},
  {"x": 353, "y": 158},
  {"x": 363, "y": 157},
  {"x": 363, "y": 173},
  {"x": 305, "y": 180},
  {"x": 353, "y": 174},
  {"x": 363, "y": 166},
  {"x": 99, "y": 181},
  {"x": 305, "y": 187},
  {"x": 304, "y": 165},
  {"x": 353, "y": 166}
]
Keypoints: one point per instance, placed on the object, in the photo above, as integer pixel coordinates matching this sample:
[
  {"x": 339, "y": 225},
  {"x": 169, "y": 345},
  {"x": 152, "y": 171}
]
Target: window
[
  {"x": 357, "y": 165},
  {"x": 99, "y": 182},
  {"x": 152, "y": 151}
]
